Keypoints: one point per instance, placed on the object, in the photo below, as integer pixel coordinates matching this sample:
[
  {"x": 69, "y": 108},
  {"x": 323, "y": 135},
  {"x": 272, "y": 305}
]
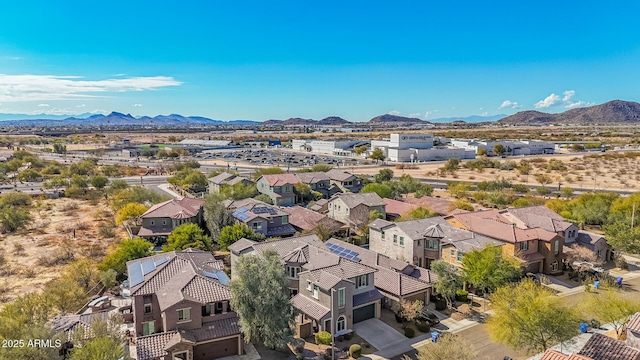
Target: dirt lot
[{"x": 61, "y": 229}]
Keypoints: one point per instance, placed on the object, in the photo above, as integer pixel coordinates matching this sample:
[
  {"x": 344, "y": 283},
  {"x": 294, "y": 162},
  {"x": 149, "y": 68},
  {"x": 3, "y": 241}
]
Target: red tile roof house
[
  {"x": 181, "y": 307},
  {"x": 396, "y": 208},
  {"x": 159, "y": 221},
  {"x": 220, "y": 181},
  {"x": 633, "y": 331},
  {"x": 319, "y": 278},
  {"x": 279, "y": 187},
  {"x": 261, "y": 217},
  {"x": 540, "y": 251},
  {"x": 320, "y": 182},
  {"x": 307, "y": 220}
]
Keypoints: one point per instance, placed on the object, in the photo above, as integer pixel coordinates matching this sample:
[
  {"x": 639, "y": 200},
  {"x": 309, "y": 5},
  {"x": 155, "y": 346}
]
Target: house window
[
  {"x": 182, "y": 355},
  {"x": 556, "y": 247},
  {"x": 164, "y": 222},
  {"x": 292, "y": 271},
  {"x": 383, "y": 235},
  {"x": 361, "y": 281},
  {"x": 206, "y": 309},
  {"x": 453, "y": 253},
  {"x": 341, "y": 298},
  {"x": 219, "y": 307},
  {"x": 285, "y": 219},
  {"x": 346, "y": 211},
  {"x": 401, "y": 240},
  {"x": 598, "y": 253},
  {"x": 277, "y": 189},
  {"x": 309, "y": 286},
  {"x": 153, "y": 222},
  {"x": 147, "y": 308},
  {"x": 184, "y": 315},
  {"x": 257, "y": 225},
  {"x": 554, "y": 265},
  {"x": 148, "y": 328},
  {"x": 460, "y": 256},
  {"x": 418, "y": 242},
  {"x": 292, "y": 293},
  {"x": 395, "y": 238},
  {"x": 524, "y": 246},
  {"x": 348, "y": 183},
  {"x": 341, "y": 323},
  {"x": 315, "y": 291},
  {"x": 431, "y": 244}
]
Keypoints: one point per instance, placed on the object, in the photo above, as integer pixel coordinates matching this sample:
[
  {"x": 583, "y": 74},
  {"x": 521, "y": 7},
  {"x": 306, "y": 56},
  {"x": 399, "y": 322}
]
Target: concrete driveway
[{"x": 378, "y": 334}]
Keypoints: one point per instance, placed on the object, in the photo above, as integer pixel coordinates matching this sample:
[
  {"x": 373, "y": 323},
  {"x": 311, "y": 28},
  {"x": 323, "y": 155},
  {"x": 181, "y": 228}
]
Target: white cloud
[
  {"x": 568, "y": 95},
  {"x": 576, "y": 104},
  {"x": 508, "y": 104},
  {"x": 81, "y": 106},
  {"x": 394, "y": 112},
  {"x": 136, "y": 105},
  {"x": 55, "y": 87},
  {"x": 43, "y": 105},
  {"x": 548, "y": 101}
]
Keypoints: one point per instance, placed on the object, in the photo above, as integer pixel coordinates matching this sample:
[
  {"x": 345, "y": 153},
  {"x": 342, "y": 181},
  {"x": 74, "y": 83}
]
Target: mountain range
[{"x": 612, "y": 112}]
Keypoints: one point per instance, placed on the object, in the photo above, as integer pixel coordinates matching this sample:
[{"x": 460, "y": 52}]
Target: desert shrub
[
  {"x": 461, "y": 295},
  {"x": 542, "y": 190},
  {"x": 323, "y": 338},
  {"x": 298, "y": 345},
  {"x": 355, "y": 351},
  {"x": 423, "y": 326},
  {"x": 441, "y": 304},
  {"x": 107, "y": 231},
  {"x": 409, "y": 332},
  {"x": 18, "y": 249},
  {"x": 520, "y": 188},
  {"x": 29, "y": 272}
]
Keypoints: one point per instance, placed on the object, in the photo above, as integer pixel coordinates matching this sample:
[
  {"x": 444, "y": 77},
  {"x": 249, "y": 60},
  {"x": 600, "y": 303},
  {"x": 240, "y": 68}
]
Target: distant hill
[
  {"x": 332, "y": 120},
  {"x": 469, "y": 119},
  {"x": 612, "y": 112},
  {"x": 115, "y": 119},
  {"x": 387, "y": 119}
]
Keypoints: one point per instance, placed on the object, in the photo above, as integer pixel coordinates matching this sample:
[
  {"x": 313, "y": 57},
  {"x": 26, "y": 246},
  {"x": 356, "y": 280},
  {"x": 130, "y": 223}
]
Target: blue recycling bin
[
  {"x": 619, "y": 281},
  {"x": 434, "y": 336},
  {"x": 584, "y": 327},
  {"x": 596, "y": 284}
]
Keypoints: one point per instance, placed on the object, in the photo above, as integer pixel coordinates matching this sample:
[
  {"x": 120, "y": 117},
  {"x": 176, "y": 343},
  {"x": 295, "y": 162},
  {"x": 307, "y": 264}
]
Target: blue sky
[{"x": 356, "y": 59}]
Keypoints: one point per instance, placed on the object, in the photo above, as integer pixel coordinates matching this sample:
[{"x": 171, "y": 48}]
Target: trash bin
[
  {"x": 434, "y": 336},
  {"x": 619, "y": 281},
  {"x": 583, "y": 327},
  {"x": 596, "y": 284}
]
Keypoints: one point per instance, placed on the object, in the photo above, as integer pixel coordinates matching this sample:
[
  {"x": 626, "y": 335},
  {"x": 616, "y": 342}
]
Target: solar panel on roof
[
  {"x": 135, "y": 274},
  {"x": 148, "y": 266},
  {"x": 218, "y": 275},
  {"x": 356, "y": 259},
  {"x": 161, "y": 261},
  {"x": 272, "y": 211}
]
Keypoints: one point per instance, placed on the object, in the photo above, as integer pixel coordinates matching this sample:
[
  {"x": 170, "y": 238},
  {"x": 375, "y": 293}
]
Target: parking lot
[{"x": 276, "y": 157}]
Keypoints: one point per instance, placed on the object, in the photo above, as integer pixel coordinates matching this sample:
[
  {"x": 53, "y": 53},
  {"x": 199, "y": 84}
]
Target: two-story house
[
  {"x": 304, "y": 219},
  {"x": 354, "y": 209},
  {"x": 423, "y": 241},
  {"x": 161, "y": 219},
  {"x": 220, "y": 181},
  {"x": 543, "y": 217},
  {"x": 318, "y": 181},
  {"x": 261, "y": 217},
  {"x": 181, "y": 307},
  {"x": 345, "y": 181},
  {"x": 540, "y": 251},
  {"x": 279, "y": 187}
]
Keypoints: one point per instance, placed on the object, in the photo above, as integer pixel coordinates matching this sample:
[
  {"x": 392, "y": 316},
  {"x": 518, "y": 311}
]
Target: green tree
[
  {"x": 188, "y": 236},
  {"x": 99, "y": 182},
  {"x": 66, "y": 295},
  {"x": 26, "y": 332},
  {"x": 611, "y": 308},
  {"x": 103, "y": 342},
  {"x": 29, "y": 175},
  {"x": 13, "y": 219},
  {"x": 417, "y": 213},
  {"x": 406, "y": 184},
  {"x": 592, "y": 208},
  {"x": 459, "y": 189},
  {"x": 108, "y": 278},
  {"x": 128, "y": 249},
  {"x": 137, "y": 194},
  {"x": 233, "y": 233},
  {"x": 543, "y": 179},
  {"x": 530, "y": 317},
  {"x": 407, "y": 310},
  {"x": 488, "y": 269},
  {"x": 190, "y": 179},
  {"x": 267, "y": 171},
  {"x": 131, "y": 210},
  {"x": 55, "y": 183},
  {"x": 303, "y": 191},
  {"x": 384, "y": 191},
  {"x": 499, "y": 150},
  {"x": 361, "y": 149},
  {"x": 449, "y": 346},
  {"x": 462, "y": 204},
  {"x": 261, "y": 283},
  {"x": 238, "y": 191},
  {"x": 216, "y": 214},
  {"x": 452, "y": 165},
  {"x": 623, "y": 238},
  {"x": 59, "y": 148},
  {"x": 448, "y": 281},
  {"x": 377, "y": 154},
  {"x": 264, "y": 198},
  {"x": 80, "y": 181},
  {"x": 383, "y": 175}
]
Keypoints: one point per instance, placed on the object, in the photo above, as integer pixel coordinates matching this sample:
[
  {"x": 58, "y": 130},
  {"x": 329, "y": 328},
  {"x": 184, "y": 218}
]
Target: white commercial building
[
  {"x": 329, "y": 147},
  {"x": 418, "y": 147},
  {"x": 512, "y": 147}
]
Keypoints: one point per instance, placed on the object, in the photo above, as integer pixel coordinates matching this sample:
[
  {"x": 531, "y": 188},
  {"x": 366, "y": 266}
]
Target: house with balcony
[
  {"x": 181, "y": 307},
  {"x": 345, "y": 181},
  {"x": 261, "y": 217},
  {"x": 320, "y": 182},
  {"x": 161, "y": 219},
  {"x": 279, "y": 188},
  {"x": 539, "y": 250},
  {"x": 354, "y": 209},
  {"x": 222, "y": 180}
]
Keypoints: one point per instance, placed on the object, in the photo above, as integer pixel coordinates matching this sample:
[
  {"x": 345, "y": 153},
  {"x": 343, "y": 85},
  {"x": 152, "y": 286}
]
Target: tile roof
[
  {"x": 551, "y": 354},
  {"x": 241, "y": 245},
  {"x": 280, "y": 179},
  {"x": 601, "y": 347},
  {"x": 296, "y": 256},
  {"x": 310, "y": 307},
  {"x": 366, "y": 297},
  {"x": 588, "y": 239},
  {"x": 319, "y": 205},
  {"x": 634, "y": 323},
  {"x": 152, "y": 347},
  {"x": 69, "y": 323},
  {"x": 175, "y": 209},
  {"x": 306, "y": 219},
  {"x": 395, "y": 207},
  {"x": 221, "y": 178},
  {"x": 398, "y": 284},
  {"x": 205, "y": 290},
  {"x": 352, "y": 200},
  {"x": 438, "y": 205},
  {"x": 312, "y": 177},
  {"x": 284, "y": 246},
  {"x": 325, "y": 280},
  {"x": 535, "y": 216},
  {"x": 339, "y": 175},
  {"x": 491, "y": 223},
  {"x": 347, "y": 269},
  {"x": 533, "y": 257},
  {"x": 255, "y": 209},
  {"x": 217, "y": 329}
]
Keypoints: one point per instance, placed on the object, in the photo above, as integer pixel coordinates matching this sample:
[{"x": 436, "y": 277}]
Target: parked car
[{"x": 429, "y": 317}]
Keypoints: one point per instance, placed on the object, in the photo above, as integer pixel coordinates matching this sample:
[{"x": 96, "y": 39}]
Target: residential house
[
  {"x": 261, "y": 217},
  {"x": 218, "y": 182},
  {"x": 304, "y": 219},
  {"x": 318, "y": 181},
  {"x": 321, "y": 206},
  {"x": 539, "y": 250},
  {"x": 545, "y": 218},
  {"x": 321, "y": 281},
  {"x": 279, "y": 187},
  {"x": 354, "y": 209},
  {"x": 345, "y": 181},
  {"x": 396, "y": 208},
  {"x": 161, "y": 219},
  {"x": 181, "y": 307},
  {"x": 633, "y": 331},
  {"x": 67, "y": 324}
]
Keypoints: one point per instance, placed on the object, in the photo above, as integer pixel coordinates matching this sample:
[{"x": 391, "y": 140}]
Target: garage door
[
  {"x": 364, "y": 313},
  {"x": 216, "y": 349}
]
